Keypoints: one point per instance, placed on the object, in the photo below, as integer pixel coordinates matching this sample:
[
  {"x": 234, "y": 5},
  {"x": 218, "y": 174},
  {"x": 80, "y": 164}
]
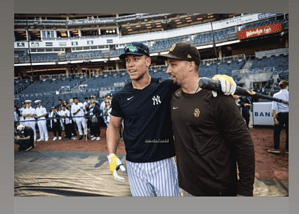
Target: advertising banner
[
  {"x": 260, "y": 31},
  {"x": 34, "y": 44},
  {"x": 49, "y": 43},
  {"x": 268, "y": 15},
  {"x": 20, "y": 44},
  {"x": 262, "y": 114}
]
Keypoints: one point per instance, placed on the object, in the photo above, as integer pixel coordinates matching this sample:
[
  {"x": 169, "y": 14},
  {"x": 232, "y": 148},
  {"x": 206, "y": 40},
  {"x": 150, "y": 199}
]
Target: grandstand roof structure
[{"x": 83, "y": 48}]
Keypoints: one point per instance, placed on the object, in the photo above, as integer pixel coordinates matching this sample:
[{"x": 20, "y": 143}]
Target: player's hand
[
  {"x": 115, "y": 165},
  {"x": 228, "y": 85}
]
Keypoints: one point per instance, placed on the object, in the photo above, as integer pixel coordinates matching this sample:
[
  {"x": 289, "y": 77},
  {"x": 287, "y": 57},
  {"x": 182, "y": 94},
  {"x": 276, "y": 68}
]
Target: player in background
[{"x": 78, "y": 116}]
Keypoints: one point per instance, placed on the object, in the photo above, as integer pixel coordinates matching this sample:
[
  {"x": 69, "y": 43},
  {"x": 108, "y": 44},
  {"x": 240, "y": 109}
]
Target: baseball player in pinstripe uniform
[
  {"x": 41, "y": 113},
  {"x": 78, "y": 114},
  {"x": 144, "y": 105}
]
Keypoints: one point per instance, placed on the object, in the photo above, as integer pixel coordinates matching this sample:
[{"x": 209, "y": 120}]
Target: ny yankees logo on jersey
[{"x": 156, "y": 100}]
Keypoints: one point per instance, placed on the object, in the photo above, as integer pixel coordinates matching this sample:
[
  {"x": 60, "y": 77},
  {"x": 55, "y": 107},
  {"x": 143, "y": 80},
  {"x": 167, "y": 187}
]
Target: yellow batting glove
[
  {"x": 115, "y": 165},
  {"x": 228, "y": 85}
]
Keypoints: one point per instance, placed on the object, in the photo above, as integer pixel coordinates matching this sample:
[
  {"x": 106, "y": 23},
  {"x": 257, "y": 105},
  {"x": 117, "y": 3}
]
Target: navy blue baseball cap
[{"x": 137, "y": 49}]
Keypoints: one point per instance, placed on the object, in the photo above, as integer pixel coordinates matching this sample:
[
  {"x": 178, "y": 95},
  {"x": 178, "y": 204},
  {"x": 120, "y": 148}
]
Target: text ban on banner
[{"x": 260, "y": 31}]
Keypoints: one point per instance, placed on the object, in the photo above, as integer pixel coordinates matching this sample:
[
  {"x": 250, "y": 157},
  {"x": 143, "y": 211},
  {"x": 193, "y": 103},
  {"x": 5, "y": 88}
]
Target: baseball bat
[{"x": 215, "y": 85}]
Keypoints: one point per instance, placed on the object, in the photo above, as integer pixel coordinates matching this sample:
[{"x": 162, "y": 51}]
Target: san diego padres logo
[
  {"x": 196, "y": 112},
  {"x": 171, "y": 49}
]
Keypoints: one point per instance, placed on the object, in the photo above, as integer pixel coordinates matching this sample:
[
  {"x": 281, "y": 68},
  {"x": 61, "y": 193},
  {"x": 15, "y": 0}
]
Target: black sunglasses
[{"x": 134, "y": 49}]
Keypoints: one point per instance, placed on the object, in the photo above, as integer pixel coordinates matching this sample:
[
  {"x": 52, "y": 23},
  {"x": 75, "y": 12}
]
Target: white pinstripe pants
[
  {"x": 153, "y": 178},
  {"x": 81, "y": 123}
]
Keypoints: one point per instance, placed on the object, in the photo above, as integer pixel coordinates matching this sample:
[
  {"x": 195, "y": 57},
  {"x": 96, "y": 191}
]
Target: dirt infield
[{"x": 268, "y": 166}]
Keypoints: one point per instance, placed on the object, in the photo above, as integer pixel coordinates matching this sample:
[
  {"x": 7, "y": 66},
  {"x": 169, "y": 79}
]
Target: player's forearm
[
  {"x": 246, "y": 165},
  {"x": 23, "y": 138},
  {"x": 112, "y": 135},
  {"x": 274, "y": 112}
]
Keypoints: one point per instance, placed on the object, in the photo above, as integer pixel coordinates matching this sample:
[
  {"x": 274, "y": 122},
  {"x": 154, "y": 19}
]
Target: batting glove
[
  {"x": 228, "y": 85},
  {"x": 115, "y": 165}
]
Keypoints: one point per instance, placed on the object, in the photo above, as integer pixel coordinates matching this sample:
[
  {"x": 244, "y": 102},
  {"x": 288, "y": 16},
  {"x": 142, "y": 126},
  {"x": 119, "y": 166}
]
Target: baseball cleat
[{"x": 28, "y": 149}]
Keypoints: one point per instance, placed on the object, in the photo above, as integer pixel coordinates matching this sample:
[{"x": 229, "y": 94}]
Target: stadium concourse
[{"x": 62, "y": 56}]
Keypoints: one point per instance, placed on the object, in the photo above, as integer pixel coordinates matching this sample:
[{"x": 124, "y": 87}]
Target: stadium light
[
  {"x": 98, "y": 60},
  {"x": 204, "y": 46},
  {"x": 77, "y": 61},
  {"x": 44, "y": 63},
  {"x": 228, "y": 43},
  {"x": 115, "y": 58},
  {"x": 24, "y": 64}
]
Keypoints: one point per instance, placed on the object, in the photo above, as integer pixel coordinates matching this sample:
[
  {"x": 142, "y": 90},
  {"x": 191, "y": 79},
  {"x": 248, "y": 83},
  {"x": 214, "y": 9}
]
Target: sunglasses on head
[{"x": 134, "y": 49}]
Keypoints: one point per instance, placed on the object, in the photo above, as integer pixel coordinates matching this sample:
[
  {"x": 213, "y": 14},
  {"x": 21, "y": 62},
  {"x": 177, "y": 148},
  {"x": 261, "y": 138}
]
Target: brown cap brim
[{"x": 169, "y": 56}]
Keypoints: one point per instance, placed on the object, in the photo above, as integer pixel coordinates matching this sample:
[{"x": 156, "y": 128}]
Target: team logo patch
[
  {"x": 196, "y": 112},
  {"x": 172, "y": 48},
  {"x": 156, "y": 100},
  {"x": 132, "y": 48},
  {"x": 189, "y": 56}
]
